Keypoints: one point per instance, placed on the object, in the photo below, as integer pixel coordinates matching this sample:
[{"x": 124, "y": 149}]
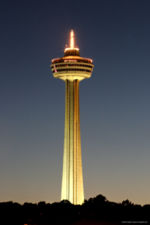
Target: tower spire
[
  {"x": 71, "y": 49},
  {"x": 72, "y": 39}
]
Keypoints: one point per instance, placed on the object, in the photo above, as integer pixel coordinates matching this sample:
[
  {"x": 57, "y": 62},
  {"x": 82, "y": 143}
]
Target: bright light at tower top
[
  {"x": 72, "y": 39},
  {"x": 72, "y": 42}
]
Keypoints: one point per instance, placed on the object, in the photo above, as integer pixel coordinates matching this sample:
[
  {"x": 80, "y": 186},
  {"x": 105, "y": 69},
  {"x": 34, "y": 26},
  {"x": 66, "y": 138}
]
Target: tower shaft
[{"x": 72, "y": 178}]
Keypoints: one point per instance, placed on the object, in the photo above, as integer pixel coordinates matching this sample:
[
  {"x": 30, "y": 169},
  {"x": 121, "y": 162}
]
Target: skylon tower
[{"x": 72, "y": 69}]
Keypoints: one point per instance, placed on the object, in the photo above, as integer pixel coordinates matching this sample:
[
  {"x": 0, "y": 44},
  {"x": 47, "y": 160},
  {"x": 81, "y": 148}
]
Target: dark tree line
[{"x": 96, "y": 210}]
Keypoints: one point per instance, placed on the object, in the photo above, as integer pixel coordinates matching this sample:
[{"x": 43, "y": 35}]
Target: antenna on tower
[
  {"x": 72, "y": 39},
  {"x": 71, "y": 46}
]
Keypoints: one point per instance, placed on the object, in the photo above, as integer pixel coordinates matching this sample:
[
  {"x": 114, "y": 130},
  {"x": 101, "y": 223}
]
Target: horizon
[{"x": 85, "y": 200}]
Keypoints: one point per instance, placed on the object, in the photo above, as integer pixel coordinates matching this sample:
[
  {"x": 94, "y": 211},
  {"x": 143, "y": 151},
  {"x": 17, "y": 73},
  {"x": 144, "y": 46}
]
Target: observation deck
[{"x": 72, "y": 66}]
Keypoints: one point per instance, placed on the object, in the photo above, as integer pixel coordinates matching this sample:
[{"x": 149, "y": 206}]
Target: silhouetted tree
[
  {"x": 127, "y": 203},
  {"x": 96, "y": 209}
]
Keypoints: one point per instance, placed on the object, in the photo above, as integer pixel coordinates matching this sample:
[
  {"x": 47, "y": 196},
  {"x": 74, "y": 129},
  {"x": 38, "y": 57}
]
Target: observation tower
[{"x": 72, "y": 69}]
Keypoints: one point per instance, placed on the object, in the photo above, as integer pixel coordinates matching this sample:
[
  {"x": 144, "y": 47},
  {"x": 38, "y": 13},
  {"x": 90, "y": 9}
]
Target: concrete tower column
[{"x": 72, "y": 178}]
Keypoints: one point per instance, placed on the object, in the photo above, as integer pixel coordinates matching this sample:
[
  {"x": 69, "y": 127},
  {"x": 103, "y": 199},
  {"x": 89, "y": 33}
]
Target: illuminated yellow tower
[{"x": 72, "y": 69}]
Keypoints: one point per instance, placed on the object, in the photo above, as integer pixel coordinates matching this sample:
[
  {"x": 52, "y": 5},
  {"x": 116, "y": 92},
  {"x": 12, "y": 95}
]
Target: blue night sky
[{"x": 114, "y": 103}]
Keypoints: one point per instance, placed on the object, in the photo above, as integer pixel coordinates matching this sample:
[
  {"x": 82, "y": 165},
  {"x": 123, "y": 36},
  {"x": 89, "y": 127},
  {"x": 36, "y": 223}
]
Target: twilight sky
[{"x": 114, "y": 103}]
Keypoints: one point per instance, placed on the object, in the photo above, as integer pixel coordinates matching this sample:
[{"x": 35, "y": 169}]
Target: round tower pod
[{"x": 72, "y": 66}]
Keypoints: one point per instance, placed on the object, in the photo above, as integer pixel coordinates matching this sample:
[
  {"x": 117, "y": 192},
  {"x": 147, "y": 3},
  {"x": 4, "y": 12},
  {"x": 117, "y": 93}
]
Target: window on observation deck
[
  {"x": 72, "y": 69},
  {"x": 73, "y": 64}
]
